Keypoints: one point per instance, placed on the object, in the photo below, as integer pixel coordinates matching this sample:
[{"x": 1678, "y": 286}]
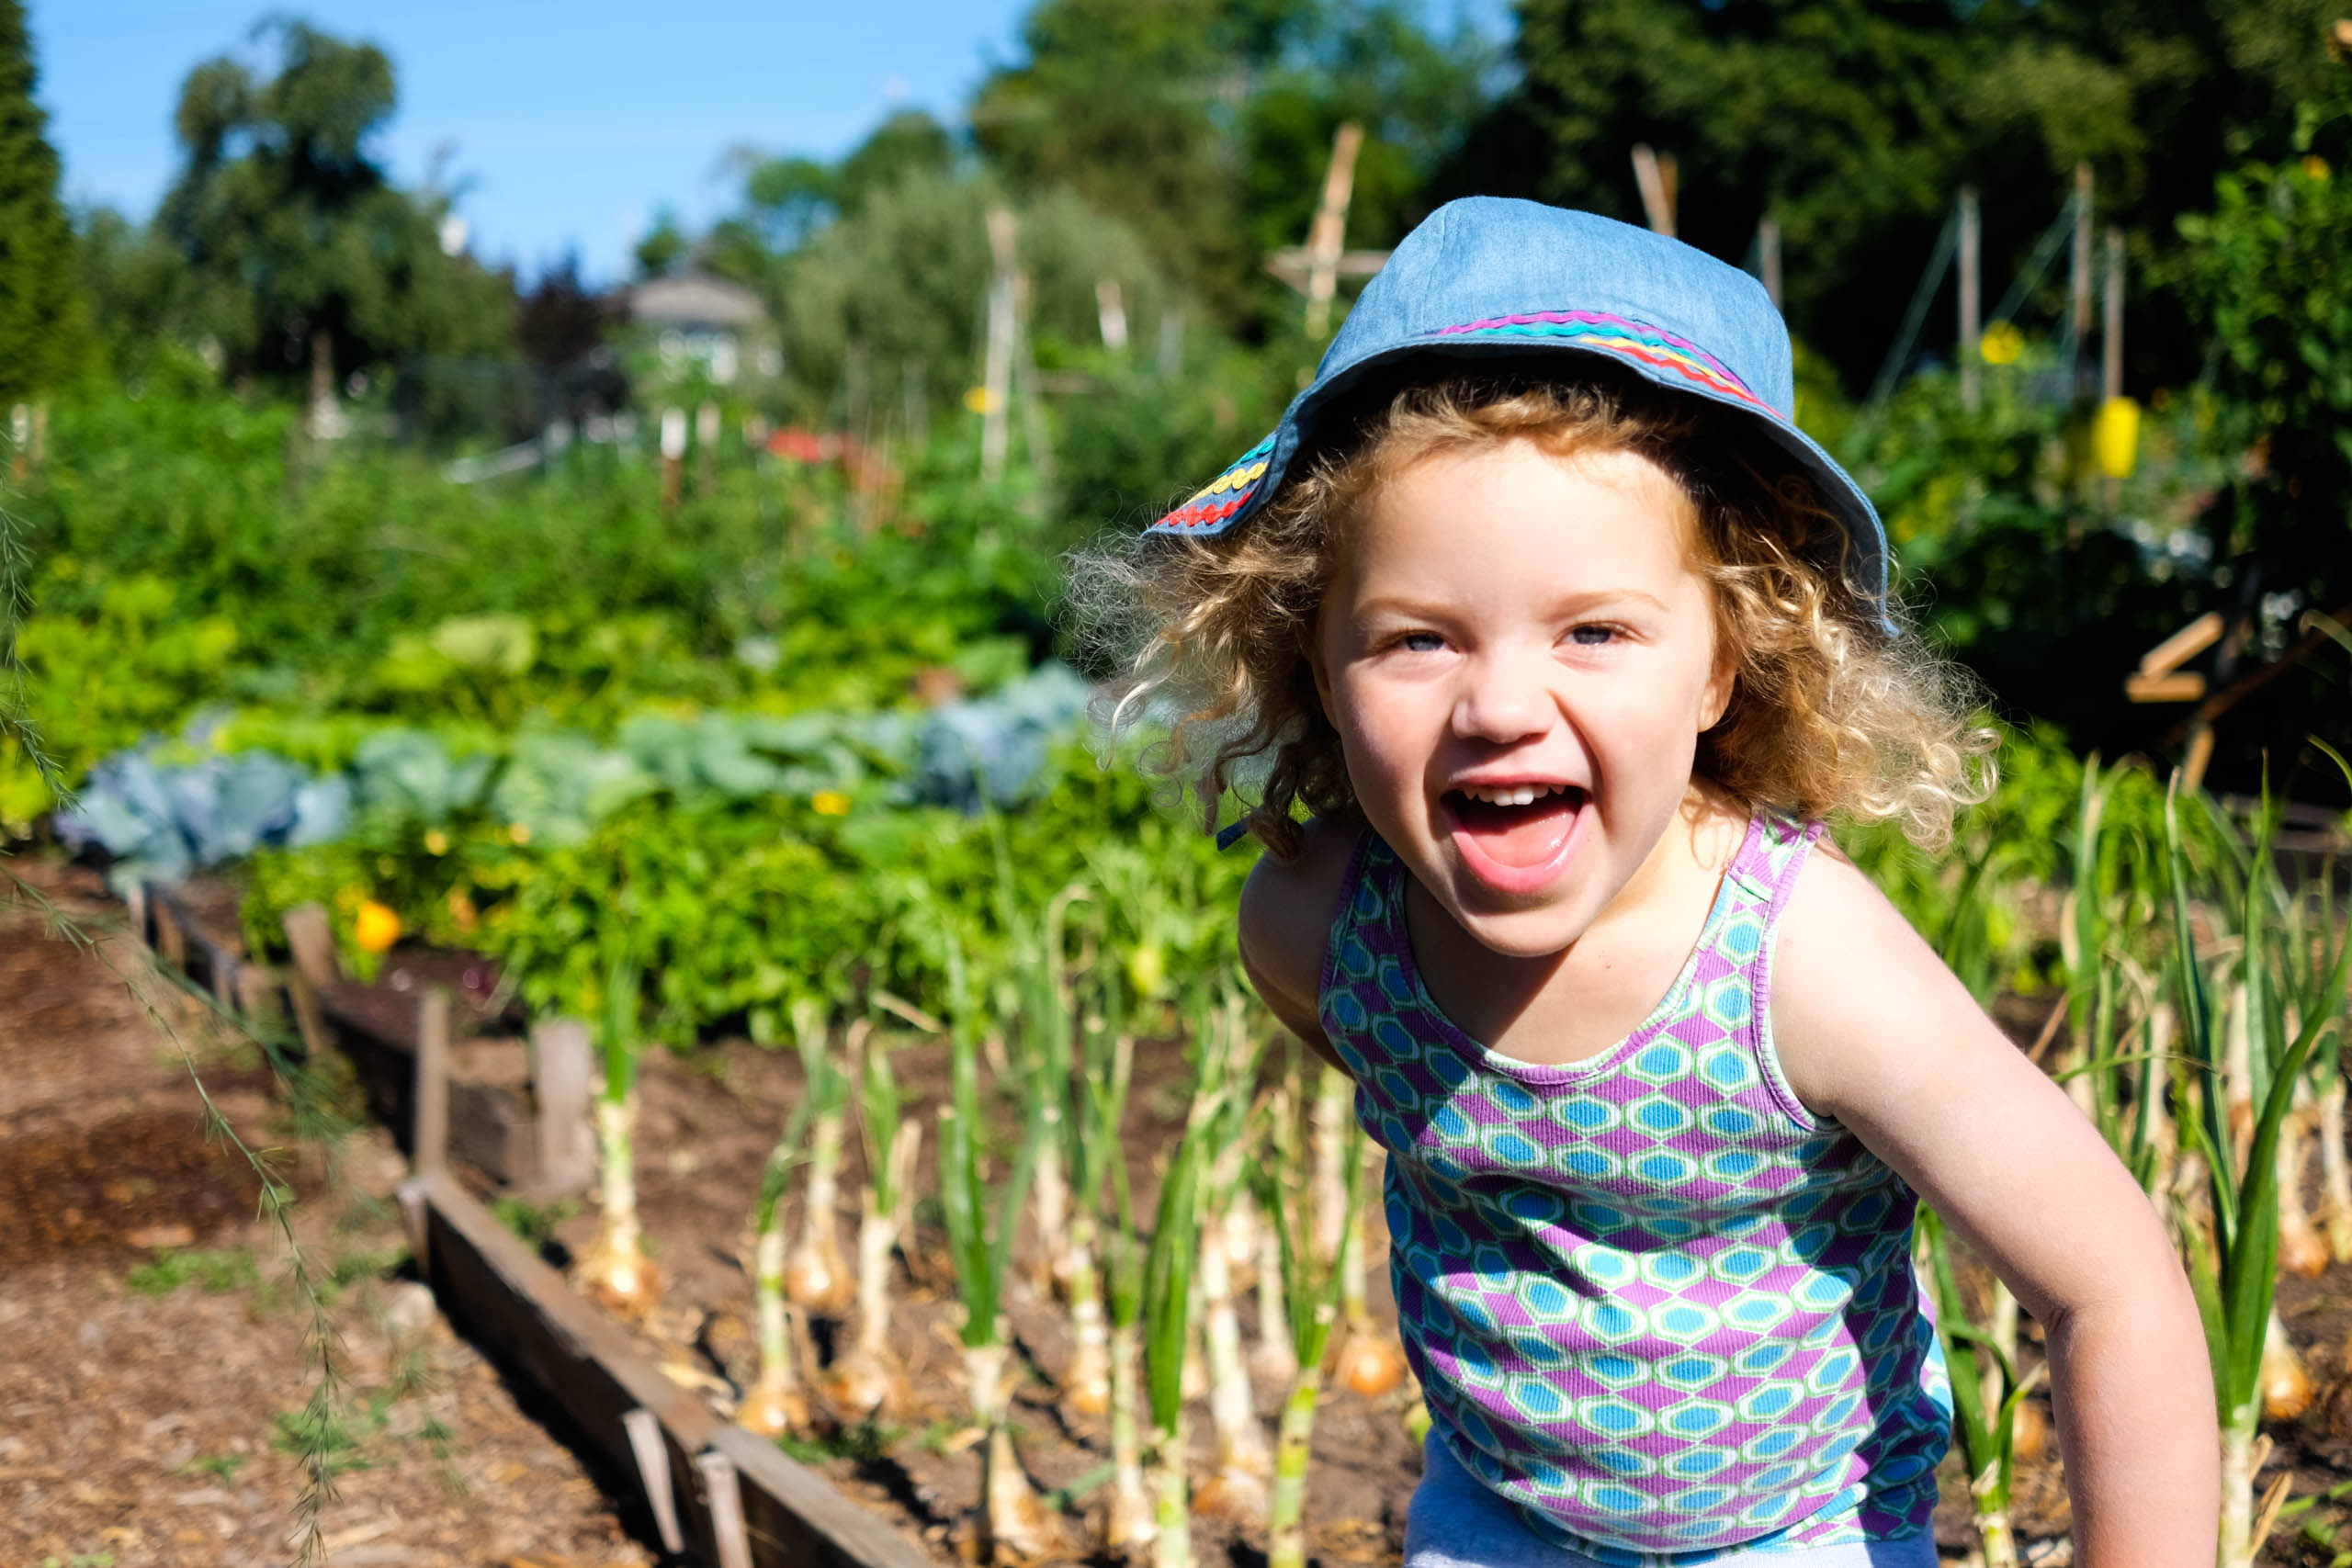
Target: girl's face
[{"x": 1519, "y": 658}]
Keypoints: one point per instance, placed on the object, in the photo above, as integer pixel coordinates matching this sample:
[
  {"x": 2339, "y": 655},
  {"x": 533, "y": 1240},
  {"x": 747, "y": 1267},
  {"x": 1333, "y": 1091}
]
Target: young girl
[{"x": 1566, "y": 639}]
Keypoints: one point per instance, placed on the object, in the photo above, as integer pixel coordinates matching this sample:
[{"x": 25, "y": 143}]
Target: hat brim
[{"x": 1250, "y": 482}]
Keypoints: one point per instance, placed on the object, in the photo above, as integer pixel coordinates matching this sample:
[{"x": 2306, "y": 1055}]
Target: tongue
[{"x": 1519, "y": 835}]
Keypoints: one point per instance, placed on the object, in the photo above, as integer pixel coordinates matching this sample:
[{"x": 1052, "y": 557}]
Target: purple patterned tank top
[{"x": 1652, "y": 1301}]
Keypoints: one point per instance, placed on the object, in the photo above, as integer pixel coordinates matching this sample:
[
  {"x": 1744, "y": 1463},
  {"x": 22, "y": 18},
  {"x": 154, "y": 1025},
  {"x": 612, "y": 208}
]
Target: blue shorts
[{"x": 1455, "y": 1522}]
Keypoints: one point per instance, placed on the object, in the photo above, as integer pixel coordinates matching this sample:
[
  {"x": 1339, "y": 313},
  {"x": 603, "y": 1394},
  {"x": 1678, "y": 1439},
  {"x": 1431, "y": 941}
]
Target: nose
[{"x": 1504, "y": 696}]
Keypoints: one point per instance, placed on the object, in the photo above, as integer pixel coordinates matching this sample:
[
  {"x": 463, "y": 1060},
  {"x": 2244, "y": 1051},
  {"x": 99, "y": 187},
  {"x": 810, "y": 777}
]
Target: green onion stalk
[
  {"x": 1107, "y": 1054},
  {"x": 815, "y": 1277},
  {"x": 2121, "y": 1027},
  {"x": 1312, "y": 1282},
  {"x": 1014, "y": 1526},
  {"x": 775, "y": 1403},
  {"x": 1047, "y": 1024},
  {"x": 1275, "y": 1359},
  {"x": 868, "y": 1379},
  {"x": 1167, "y": 1314},
  {"x": 613, "y": 1270},
  {"x": 1985, "y": 1406},
  {"x": 1969, "y": 942},
  {"x": 1237, "y": 1489},
  {"x": 2233, "y": 1257},
  {"x": 1129, "y": 1522},
  {"x": 1370, "y": 1361}
]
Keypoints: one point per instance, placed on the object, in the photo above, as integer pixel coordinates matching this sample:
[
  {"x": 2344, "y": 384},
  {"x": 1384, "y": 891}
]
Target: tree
[
  {"x": 1206, "y": 124},
  {"x": 1854, "y": 123},
  {"x": 2265, "y": 279},
  {"x": 300, "y": 253},
  {"x": 42, "y": 322},
  {"x": 898, "y": 288}
]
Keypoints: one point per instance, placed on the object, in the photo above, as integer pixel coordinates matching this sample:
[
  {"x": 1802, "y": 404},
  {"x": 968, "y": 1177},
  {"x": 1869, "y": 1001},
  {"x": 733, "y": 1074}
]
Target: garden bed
[
  {"x": 706, "y": 1122},
  {"x": 154, "y": 1352}
]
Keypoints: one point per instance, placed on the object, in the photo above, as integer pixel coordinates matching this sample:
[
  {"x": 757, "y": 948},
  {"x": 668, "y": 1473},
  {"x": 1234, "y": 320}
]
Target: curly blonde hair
[{"x": 1830, "y": 712}]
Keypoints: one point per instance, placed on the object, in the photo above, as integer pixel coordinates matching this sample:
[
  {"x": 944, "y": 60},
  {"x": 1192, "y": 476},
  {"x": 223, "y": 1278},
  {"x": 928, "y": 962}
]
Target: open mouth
[{"x": 1510, "y": 833}]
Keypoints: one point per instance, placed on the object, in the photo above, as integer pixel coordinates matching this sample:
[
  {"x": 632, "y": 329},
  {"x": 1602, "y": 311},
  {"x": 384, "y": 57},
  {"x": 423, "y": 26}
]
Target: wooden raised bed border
[{"x": 731, "y": 1498}]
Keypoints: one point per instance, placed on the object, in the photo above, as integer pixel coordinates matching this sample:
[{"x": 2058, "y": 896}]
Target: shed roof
[{"x": 695, "y": 300}]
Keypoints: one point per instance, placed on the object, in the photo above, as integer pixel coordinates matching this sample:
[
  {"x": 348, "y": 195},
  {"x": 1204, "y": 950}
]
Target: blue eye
[
  {"x": 1421, "y": 642},
  {"x": 1592, "y": 636}
]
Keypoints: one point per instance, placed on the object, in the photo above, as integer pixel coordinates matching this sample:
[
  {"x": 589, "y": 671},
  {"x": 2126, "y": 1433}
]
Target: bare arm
[
  {"x": 1284, "y": 925},
  {"x": 1896, "y": 1050}
]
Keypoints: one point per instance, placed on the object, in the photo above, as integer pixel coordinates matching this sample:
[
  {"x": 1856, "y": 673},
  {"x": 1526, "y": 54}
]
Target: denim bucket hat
[{"x": 1490, "y": 276}]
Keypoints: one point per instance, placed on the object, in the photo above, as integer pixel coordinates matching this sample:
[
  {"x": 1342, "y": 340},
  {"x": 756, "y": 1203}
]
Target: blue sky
[{"x": 570, "y": 123}]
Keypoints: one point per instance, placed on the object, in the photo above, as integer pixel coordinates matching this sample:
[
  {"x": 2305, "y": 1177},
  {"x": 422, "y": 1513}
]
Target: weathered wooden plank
[
  {"x": 796, "y": 1519},
  {"x": 585, "y": 1363}
]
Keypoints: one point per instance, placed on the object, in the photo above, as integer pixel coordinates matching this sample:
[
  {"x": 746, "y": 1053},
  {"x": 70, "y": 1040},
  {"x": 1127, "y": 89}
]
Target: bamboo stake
[{"x": 1972, "y": 286}]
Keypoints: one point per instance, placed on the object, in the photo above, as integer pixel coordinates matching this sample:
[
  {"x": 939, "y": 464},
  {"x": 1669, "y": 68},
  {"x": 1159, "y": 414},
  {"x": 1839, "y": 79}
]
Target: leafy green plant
[
  {"x": 2232, "y": 1253},
  {"x": 1015, "y": 1524}
]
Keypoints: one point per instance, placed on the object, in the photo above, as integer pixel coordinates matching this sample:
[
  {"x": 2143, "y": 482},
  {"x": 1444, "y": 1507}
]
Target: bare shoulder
[
  {"x": 1286, "y": 921},
  {"x": 1853, "y": 987}
]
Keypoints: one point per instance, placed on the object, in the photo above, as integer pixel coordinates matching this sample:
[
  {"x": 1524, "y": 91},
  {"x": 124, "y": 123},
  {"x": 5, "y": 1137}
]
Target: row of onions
[
  {"x": 2202, "y": 1030},
  {"x": 1032, "y": 1169}
]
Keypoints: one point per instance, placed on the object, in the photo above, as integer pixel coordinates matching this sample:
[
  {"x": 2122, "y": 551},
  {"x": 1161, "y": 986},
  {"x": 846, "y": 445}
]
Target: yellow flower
[
  {"x": 437, "y": 842},
  {"x": 375, "y": 928},
  {"x": 1148, "y": 968},
  {"x": 829, "y": 802},
  {"x": 2115, "y": 437},
  {"x": 520, "y": 833},
  {"x": 2314, "y": 166},
  {"x": 977, "y": 399},
  {"x": 461, "y": 910},
  {"x": 2002, "y": 344}
]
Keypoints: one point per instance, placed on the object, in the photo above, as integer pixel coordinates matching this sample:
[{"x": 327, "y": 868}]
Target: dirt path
[{"x": 154, "y": 1368}]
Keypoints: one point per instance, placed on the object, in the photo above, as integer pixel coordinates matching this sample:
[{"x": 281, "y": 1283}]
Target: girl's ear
[
  {"x": 1310, "y": 649},
  {"x": 1714, "y": 701}
]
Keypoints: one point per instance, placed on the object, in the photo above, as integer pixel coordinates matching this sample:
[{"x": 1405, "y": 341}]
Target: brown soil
[
  {"x": 127, "y": 1382},
  {"x": 154, "y": 1350}
]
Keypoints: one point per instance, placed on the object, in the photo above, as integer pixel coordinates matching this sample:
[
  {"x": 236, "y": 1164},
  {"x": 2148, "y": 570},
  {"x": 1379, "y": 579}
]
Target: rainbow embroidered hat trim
[{"x": 1489, "y": 276}]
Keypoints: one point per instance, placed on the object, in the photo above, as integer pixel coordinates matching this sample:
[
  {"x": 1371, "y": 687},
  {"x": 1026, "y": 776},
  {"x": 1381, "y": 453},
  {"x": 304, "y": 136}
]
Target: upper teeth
[{"x": 1517, "y": 794}]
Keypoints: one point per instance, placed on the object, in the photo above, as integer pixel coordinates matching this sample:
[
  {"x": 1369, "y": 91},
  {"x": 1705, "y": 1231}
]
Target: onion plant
[
  {"x": 775, "y": 1403},
  {"x": 2234, "y": 1258},
  {"x": 2121, "y": 1026},
  {"x": 613, "y": 1270},
  {"x": 867, "y": 1379},
  {"x": 1015, "y": 1524},
  {"x": 1311, "y": 1286},
  {"x": 1238, "y": 1488},
  {"x": 1128, "y": 1523},
  {"x": 1106, "y": 1058},
  {"x": 815, "y": 1278},
  {"x": 1986, "y": 1405},
  {"x": 1370, "y": 1361},
  {"x": 1167, "y": 1304}
]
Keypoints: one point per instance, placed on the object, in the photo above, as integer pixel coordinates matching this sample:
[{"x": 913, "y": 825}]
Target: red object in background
[{"x": 801, "y": 445}]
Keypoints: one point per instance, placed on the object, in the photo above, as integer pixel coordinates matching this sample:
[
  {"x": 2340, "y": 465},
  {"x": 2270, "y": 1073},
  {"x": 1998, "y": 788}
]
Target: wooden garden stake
[
  {"x": 309, "y": 1018},
  {"x": 562, "y": 1070},
  {"x": 430, "y": 1148},
  {"x": 724, "y": 1490},
  {"x": 1111, "y": 314},
  {"x": 996, "y": 372},
  {"x": 2079, "y": 315},
  {"x": 311, "y": 939},
  {"x": 644, "y": 1430},
  {"x": 171, "y": 942},
  {"x": 1971, "y": 299},
  {"x": 1329, "y": 230},
  {"x": 1653, "y": 172},
  {"x": 673, "y": 456}
]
